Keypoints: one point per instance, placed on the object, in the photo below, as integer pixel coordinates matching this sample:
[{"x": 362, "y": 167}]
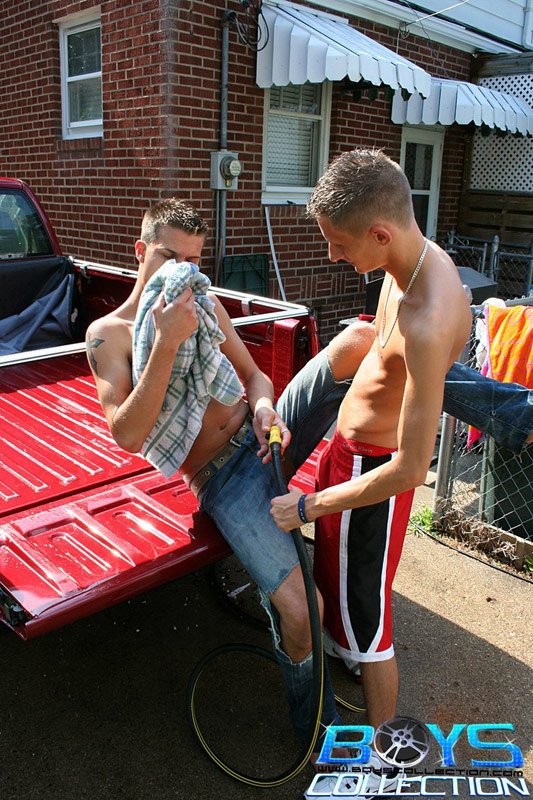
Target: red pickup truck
[{"x": 84, "y": 524}]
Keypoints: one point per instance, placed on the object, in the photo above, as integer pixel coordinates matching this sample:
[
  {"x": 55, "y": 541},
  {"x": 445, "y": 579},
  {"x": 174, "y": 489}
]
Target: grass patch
[{"x": 422, "y": 519}]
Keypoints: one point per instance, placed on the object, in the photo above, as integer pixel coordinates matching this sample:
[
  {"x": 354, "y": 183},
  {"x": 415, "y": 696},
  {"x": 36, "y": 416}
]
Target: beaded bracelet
[{"x": 301, "y": 509}]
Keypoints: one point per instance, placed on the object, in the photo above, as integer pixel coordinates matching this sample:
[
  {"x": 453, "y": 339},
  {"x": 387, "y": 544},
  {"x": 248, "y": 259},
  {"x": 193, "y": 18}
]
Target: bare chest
[{"x": 371, "y": 408}]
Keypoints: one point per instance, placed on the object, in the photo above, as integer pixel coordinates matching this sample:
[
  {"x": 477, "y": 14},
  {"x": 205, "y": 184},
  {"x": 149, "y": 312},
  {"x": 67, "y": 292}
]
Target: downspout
[
  {"x": 527, "y": 32},
  {"x": 228, "y": 17}
]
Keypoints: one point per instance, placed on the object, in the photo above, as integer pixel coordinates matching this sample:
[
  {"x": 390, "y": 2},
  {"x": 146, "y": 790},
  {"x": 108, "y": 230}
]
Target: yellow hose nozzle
[{"x": 274, "y": 435}]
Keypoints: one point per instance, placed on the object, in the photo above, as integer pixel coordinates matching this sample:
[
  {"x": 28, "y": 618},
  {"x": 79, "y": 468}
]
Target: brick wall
[
  {"x": 93, "y": 189},
  {"x": 161, "y": 87}
]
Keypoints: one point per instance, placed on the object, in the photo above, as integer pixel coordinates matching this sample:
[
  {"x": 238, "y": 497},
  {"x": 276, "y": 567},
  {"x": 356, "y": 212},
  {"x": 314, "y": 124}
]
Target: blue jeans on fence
[
  {"x": 238, "y": 496},
  {"x": 503, "y": 410}
]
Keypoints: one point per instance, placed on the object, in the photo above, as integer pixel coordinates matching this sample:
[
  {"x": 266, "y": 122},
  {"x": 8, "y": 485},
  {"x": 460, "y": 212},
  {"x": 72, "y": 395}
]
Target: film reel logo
[{"x": 402, "y": 742}]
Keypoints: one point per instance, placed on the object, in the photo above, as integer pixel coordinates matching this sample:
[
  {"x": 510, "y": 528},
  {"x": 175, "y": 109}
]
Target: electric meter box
[{"x": 225, "y": 169}]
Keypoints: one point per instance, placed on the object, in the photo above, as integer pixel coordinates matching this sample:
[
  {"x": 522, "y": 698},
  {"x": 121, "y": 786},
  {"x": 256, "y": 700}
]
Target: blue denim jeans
[
  {"x": 503, "y": 410},
  {"x": 238, "y": 499},
  {"x": 238, "y": 496}
]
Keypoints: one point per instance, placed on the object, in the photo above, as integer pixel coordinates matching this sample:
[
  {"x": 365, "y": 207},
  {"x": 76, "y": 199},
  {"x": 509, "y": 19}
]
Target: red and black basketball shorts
[{"x": 357, "y": 553}]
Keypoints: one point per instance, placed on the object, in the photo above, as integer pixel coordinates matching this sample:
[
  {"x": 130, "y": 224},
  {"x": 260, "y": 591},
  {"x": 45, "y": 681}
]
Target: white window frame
[
  {"x": 434, "y": 137},
  {"x": 87, "y": 128},
  {"x": 299, "y": 195}
]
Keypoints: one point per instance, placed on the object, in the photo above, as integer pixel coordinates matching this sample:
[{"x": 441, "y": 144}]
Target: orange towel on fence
[
  {"x": 510, "y": 339},
  {"x": 510, "y": 349}
]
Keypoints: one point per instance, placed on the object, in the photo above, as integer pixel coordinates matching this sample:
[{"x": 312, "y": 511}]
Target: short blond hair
[
  {"x": 361, "y": 187},
  {"x": 173, "y": 212}
]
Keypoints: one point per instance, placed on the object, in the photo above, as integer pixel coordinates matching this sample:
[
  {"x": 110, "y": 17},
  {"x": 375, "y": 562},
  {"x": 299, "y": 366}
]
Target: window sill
[
  {"x": 284, "y": 198},
  {"x": 93, "y": 143}
]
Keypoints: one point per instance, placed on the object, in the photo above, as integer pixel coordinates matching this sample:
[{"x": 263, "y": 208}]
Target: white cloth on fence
[{"x": 200, "y": 371}]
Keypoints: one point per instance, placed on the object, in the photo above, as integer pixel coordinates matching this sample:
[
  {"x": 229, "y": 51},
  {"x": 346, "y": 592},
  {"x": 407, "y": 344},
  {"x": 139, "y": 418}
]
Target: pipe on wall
[{"x": 228, "y": 17}]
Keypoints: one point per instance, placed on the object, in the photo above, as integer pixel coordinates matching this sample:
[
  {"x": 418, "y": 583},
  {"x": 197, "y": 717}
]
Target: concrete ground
[{"x": 96, "y": 711}]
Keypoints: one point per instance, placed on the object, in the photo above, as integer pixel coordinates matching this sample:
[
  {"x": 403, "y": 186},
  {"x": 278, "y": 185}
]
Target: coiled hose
[{"x": 318, "y": 655}]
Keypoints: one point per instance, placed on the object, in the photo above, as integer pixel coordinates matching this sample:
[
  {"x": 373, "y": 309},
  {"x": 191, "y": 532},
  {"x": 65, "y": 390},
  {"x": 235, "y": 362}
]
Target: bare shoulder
[
  {"x": 223, "y": 317},
  {"x": 220, "y": 311},
  {"x": 444, "y": 288},
  {"x": 107, "y": 339},
  {"x": 233, "y": 347},
  {"x": 444, "y": 312},
  {"x": 110, "y": 328}
]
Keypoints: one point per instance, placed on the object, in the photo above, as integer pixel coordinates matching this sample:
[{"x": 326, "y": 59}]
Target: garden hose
[
  {"x": 318, "y": 655},
  {"x": 275, "y": 447}
]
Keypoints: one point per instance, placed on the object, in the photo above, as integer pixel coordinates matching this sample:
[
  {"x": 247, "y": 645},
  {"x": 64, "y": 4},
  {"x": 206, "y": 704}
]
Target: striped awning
[
  {"x": 303, "y": 45},
  {"x": 463, "y": 103}
]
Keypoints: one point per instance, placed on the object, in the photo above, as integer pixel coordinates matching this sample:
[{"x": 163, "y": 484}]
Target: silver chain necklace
[{"x": 401, "y": 299}]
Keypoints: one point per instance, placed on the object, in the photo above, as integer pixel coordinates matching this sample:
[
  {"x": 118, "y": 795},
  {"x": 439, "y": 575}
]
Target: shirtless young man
[
  {"x": 388, "y": 420},
  {"x": 237, "y": 496}
]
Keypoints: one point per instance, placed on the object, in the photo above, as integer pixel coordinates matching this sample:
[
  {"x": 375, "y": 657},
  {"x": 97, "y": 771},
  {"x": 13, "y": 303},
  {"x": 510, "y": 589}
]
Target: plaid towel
[{"x": 200, "y": 371}]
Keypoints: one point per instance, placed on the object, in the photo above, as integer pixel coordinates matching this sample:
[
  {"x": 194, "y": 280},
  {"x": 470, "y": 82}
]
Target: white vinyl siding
[
  {"x": 506, "y": 19},
  {"x": 509, "y": 20}
]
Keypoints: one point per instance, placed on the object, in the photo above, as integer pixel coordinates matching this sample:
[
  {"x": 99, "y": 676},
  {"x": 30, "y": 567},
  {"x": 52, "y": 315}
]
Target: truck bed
[{"x": 84, "y": 524}]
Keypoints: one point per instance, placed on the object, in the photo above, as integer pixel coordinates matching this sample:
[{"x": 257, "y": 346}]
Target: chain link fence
[
  {"x": 484, "y": 493},
  {"x": 510, "y": 266}
]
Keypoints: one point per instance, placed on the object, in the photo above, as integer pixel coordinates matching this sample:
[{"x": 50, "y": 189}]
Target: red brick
[{"x": 161, "y": 90}]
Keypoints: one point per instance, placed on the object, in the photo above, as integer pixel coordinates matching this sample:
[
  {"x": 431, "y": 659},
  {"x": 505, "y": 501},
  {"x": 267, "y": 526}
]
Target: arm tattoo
[{"x": 91, "y": 345}]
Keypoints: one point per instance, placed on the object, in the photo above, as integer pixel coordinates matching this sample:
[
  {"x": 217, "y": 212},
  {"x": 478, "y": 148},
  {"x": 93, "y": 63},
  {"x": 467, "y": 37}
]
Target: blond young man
[{"x": 388, "y": 420}]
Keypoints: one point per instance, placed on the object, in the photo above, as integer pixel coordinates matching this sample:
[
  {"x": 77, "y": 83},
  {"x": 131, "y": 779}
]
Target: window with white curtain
[
  {"x": 81, "y": 78},
  {"x": 421, "y": 160},
  {"x": 296, "y": 140}
]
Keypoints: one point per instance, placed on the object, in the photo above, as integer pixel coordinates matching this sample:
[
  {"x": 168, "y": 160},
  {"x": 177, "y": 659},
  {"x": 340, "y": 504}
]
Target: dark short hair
[
  {"x": 360, "y": 187},
  {"x": 173, "y": 212}
]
